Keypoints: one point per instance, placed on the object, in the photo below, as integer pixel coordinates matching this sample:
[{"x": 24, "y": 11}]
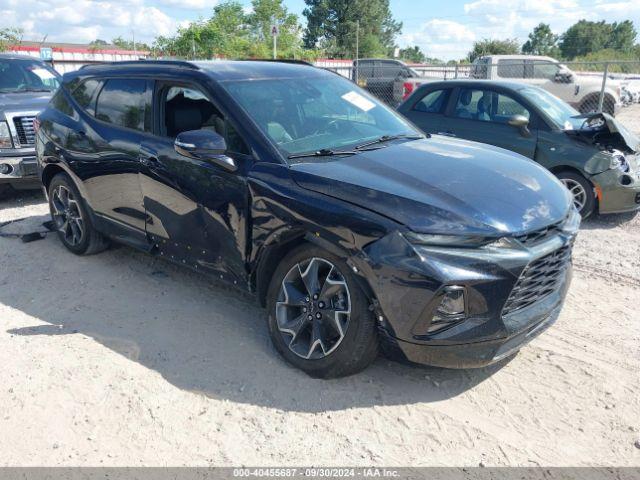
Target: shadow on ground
[
  {"x": 598, "y": 222},
  {"x": 200, "y": 336}
]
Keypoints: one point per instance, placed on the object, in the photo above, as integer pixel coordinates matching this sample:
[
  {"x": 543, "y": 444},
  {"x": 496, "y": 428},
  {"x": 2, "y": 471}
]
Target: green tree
[
  {"x": 265, "y": 14},
  {"x": 232, "y": 33},
  {"x": 542, "y": 41},
  {"x": 623, "y": 36},
  {"x": 413, "y": 54},
  {"x": 332, "y": 25},
  {"x": 587, "y": 37},
  {"x": 128, "y": 45},
  {"x": 488, "y": 46},
  {"x": 9, "y": 36}
]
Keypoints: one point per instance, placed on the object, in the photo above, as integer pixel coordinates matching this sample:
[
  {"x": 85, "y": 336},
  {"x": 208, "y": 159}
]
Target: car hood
[
  {"x": 443, "y": 185},
  {"x": 606, "y": 123},
  {"x": 24, "y": 101}
]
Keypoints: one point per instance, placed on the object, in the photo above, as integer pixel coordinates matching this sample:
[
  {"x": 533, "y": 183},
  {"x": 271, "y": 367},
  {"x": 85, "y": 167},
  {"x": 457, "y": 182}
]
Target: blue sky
[{"x": 444, "y": 29}]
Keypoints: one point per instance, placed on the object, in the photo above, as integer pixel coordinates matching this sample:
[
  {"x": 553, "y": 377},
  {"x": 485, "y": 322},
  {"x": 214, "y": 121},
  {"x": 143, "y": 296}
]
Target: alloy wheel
[
  {"x": 577, "y": 192},
  {"x": 313, "y": 308},
  {"x": 67, "y": 215}
]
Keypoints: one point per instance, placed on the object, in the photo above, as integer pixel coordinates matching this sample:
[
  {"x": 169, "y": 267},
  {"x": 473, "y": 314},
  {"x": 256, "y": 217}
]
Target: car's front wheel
[
  {"x": 319, "y": 317},
  {"x": 581, "y": 190},
  {"x": 71, "y": 218}
]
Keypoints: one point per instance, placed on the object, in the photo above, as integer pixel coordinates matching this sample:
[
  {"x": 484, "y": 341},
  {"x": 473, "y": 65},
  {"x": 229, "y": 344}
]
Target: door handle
[
  {"x": 149, "y": 161},
  {"x": 447, "y": 134}
]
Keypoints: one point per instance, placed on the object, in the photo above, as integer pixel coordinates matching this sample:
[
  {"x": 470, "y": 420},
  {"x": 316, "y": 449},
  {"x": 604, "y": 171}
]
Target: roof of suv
[
  {"x": 222, "y": 70},
  {"x": 15, "y": 56},
  {"x": 480, "y": 83}
]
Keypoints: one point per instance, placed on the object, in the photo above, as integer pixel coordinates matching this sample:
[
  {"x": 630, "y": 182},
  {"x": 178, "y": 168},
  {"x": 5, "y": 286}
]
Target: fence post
[
  {"x": 456, "y": 73},
  {"x": 604, "y": 84}
]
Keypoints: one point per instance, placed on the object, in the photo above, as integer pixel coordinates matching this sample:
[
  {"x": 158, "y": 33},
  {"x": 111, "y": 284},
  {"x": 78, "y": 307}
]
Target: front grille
[
  {"x": 25, "y": 130},
  {"x": 539, "y": 279},
  {"x": 532, "y": 238}
]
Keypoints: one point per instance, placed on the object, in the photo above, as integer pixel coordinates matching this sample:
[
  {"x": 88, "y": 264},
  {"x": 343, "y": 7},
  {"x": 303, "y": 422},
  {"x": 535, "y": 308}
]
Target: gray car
[{"x": 26, "y": 86}]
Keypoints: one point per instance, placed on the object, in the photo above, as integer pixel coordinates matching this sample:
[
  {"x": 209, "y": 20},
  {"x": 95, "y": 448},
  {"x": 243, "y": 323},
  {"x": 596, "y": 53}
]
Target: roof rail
[
  {"x": 278, "y": 60},
  {"x": 128, "y": 63}
]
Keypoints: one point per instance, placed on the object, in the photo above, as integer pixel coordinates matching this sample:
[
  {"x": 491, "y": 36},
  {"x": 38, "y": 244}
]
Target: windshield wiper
[
  {"x": 33, "y": 90},
  {"x": 388, "y": 138},
  {"x": 325, "y": 152}
]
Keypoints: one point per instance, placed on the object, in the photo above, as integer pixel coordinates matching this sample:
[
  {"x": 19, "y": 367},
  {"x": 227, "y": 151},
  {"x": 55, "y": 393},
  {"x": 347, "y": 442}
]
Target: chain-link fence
[{"x": 587, "y": 86}]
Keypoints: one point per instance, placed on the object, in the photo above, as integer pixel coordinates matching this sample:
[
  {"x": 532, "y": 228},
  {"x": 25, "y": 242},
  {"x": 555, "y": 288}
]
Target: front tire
[
  {"x": 71, "y": 219},
  {"x": 581, "y": 190},
  {"x": 319, "y": 318}
]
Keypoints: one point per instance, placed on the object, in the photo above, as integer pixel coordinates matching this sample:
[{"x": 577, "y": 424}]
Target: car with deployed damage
[
  {"x": 26, "y": 86},
  {"x": 354, "y": 230},
  {"x": 594, "y": 155}
]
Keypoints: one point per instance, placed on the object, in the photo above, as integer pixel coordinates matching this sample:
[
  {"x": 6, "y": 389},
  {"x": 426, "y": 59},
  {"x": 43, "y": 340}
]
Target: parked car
[
  {"x": 26, "y": 86},
  {"x": 593, "y": 155},
  {"x": 383, "y": 78},
  {"x": 581, "y": 92},
  {"x": 351, "y": 227}
]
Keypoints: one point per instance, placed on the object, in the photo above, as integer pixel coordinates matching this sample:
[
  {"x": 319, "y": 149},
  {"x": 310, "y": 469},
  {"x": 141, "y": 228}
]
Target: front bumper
[
  {"x": 617, "y": 191},
  {"x": 408, "y": 288},
  {"x": 21, "y": 167}
]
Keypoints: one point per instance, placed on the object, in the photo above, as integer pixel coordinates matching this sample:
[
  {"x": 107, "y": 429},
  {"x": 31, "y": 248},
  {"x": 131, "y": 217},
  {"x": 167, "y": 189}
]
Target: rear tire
[
  {"x": 331, "y": 335},
  {"x": 71, "y": 218},
  {"x": 582, "y": 191}
]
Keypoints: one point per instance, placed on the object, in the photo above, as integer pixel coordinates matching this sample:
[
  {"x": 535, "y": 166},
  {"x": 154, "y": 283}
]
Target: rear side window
[
  {"x": 125, "y": 103},
  {"x": 84, "y": 94},
  {"x": 60, "y": 103},
  {"x": 511, "y": 68},
  {"x": 433, "y": 102}
]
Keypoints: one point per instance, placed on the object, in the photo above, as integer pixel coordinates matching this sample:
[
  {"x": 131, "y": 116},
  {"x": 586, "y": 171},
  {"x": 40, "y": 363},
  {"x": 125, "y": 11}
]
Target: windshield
[
  {"x": 18, "y": 75},
  {"x": 559, "y": 112},
  {"x": 320, "y": 112}
]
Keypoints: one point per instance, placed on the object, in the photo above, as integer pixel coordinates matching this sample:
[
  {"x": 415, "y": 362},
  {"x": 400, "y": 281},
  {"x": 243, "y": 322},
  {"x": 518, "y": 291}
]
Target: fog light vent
[
  {"x": 452, "y": 309},
  {"x": 6, "y": 169}
]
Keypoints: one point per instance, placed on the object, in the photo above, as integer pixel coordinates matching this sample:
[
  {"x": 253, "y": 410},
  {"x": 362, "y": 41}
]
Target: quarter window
[
  {"x": 124, "y": 102},
  {"x": 433, "y": 102},
  {"x": 84, "y": 94}
]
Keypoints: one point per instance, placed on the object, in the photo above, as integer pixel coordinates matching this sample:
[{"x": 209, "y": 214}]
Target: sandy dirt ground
[{"x": 122, "y": 359}]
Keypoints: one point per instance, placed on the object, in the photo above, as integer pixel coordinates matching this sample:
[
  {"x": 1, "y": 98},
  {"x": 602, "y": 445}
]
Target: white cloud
[
  {"x": 502, "y": 19},
  {"x": 441, "y": 38},
  {"x": 192, "y": 4},
  {"x": 81, "y": 21}
]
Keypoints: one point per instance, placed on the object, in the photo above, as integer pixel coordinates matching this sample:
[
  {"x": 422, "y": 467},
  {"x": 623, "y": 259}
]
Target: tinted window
[
  {"x": 433, "y": 102},
  {"x": 124, "y": 102},
  {"x": 488, "y": 106},
  {"x": 60, "y": 103},
  {"x": 84, "y": 94},
  {"x": 511, "y": 68}
]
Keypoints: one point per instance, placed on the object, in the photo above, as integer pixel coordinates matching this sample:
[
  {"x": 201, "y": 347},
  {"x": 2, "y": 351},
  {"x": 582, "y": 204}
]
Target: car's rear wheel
[
  {"x": 319, "y": 319},
  {"x": 581, "y": 190},
  {"x": 71, "y": 218}
]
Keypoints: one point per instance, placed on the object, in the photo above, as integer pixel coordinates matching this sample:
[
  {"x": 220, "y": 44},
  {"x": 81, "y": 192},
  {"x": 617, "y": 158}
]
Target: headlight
[
  {"x": 465, "y": 241},
  {"x": 618, "y": 161},
  {"x": 5, "y": 136},
  {"x": 459, "y": 241}
]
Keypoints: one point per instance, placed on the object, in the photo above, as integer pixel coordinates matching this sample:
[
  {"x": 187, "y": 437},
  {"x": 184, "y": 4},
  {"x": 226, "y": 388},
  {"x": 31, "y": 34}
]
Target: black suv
[{"x": 352, "y": 228}]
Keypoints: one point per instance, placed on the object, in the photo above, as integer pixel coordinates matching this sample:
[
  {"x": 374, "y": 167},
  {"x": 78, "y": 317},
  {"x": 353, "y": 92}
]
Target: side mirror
[
  {"x": 520, "y": 122},
  {"x": 563, "y": 76},
  {"x": 204, "y": 145}
]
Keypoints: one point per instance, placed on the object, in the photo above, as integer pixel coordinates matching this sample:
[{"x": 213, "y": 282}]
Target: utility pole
[
  {"x": 275, "y": 31},
  {"x": 193, "y": 47},
  {"x": 357, "y": 48},
  {"x": 133, "y": 37}
]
